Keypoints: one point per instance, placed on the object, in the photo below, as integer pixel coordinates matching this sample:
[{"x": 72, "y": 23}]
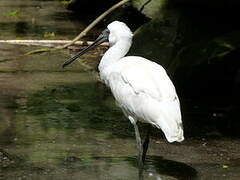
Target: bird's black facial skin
[
  {"x": 102, "y": 38},
  {"x": 105, "y": 34}
]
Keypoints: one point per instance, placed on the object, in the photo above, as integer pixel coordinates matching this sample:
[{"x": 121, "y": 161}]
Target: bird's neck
[{"x": 114, "y": 54}]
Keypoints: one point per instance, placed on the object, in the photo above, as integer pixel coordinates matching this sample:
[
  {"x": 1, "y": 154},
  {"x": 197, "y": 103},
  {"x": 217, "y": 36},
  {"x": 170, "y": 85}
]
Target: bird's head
[
  {"x": 115, "y": 31},
  {"x": 119, "y": 31}
]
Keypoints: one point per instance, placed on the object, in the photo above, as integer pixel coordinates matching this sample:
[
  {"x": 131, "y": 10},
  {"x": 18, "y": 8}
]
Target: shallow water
[
  {"x": 38, "y": 19},
  {"x": 63, "y": 124}
]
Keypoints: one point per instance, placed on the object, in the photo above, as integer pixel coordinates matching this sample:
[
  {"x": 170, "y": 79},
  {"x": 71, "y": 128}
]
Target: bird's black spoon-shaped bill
[{"x": 102, "y": 38}]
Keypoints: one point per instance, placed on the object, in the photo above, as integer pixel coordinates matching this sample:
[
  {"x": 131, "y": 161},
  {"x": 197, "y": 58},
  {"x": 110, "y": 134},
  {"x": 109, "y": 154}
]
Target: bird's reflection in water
[{"x": 155, "y": 168}]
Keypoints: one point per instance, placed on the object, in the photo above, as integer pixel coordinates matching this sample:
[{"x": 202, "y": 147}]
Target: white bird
[{"x": 141, "y": 88}]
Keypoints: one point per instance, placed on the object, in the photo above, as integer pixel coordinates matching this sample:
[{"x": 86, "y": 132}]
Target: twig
[{"x": 143, "y": 6}]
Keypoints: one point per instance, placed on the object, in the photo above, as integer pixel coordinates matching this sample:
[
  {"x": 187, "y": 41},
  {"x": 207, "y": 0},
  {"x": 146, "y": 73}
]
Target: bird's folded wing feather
[{"x": 149, "y": 78}]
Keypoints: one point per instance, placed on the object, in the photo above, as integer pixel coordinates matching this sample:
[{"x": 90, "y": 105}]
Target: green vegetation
[
  {"x": 48, "y": 34},
  {"x": 65, "y": 2},
  {"x": 15, "y": 13}
]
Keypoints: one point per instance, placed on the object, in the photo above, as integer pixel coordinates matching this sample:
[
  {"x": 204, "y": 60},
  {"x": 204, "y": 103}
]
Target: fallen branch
[{"x": 47, "y": 43}]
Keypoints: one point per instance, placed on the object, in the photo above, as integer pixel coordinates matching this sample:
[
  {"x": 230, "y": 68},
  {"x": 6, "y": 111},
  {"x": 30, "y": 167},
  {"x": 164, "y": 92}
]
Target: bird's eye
[{"x": 106, "y": 32}]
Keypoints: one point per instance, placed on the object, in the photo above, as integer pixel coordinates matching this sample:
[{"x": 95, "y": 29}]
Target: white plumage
[{"x": 142, "y": 88}]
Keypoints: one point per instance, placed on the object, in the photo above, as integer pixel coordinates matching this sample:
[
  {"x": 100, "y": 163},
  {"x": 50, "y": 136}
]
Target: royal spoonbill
[{"x": 141, "y": 88}]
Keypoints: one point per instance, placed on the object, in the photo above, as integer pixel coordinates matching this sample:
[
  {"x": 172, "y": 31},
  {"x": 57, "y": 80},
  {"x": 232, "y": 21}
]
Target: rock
[
  {"x": 158, "y": 37},
  {"x": 150, "y": 8}
]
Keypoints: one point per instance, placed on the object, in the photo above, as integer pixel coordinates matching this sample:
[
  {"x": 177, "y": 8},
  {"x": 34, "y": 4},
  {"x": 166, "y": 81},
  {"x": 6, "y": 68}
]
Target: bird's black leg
[
  {"x": 139, "y": 145},
  {"x": 145, "y": 144},
  {"x": 140, "y": 151}
]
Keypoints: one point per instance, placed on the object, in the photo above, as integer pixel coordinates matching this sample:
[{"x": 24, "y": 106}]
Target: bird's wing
[{"x": 145, "y": 76}]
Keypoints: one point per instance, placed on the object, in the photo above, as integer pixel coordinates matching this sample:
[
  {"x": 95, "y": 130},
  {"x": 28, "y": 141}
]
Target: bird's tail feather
[{"x": 170, "y": 121}]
